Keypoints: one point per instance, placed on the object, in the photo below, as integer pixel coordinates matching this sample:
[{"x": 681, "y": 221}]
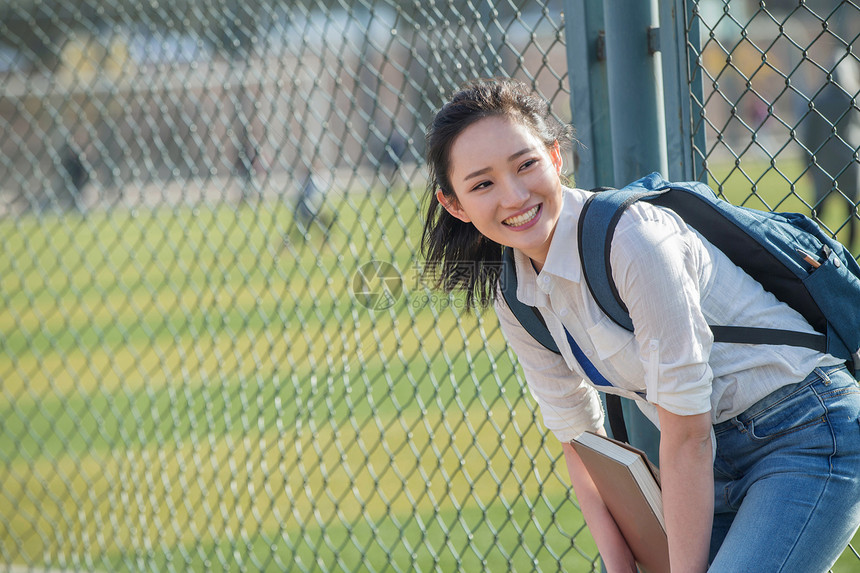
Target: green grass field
[{"x": 198, "y": 388}]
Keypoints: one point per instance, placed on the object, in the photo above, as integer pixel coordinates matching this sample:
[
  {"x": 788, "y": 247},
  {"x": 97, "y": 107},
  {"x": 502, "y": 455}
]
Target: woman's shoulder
[
  {"x": 643, "y": 216},
  {"x": 644, "y": 230}
]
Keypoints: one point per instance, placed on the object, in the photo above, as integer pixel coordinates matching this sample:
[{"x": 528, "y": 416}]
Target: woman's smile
[{"x": 525, "y": 220}]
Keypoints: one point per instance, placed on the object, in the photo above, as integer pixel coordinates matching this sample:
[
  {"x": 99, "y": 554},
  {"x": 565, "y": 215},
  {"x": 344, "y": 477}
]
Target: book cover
[{"x": 630, "y": 487}]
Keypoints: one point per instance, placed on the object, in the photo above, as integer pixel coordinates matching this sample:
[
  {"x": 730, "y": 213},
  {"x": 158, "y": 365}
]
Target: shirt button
[
  {"x": 562, "y": 312},
  {"x": 588, "y": 353}
]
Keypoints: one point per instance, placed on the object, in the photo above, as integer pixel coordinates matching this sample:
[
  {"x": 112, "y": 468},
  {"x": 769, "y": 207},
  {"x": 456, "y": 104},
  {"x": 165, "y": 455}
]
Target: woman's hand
[
  {"x": 613, "y": 548},
  {"x": 687, "y": 481}
]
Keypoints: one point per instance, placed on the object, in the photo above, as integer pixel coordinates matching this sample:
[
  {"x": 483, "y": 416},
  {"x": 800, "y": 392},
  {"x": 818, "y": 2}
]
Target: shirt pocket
[{"x": 608, "y": 338}]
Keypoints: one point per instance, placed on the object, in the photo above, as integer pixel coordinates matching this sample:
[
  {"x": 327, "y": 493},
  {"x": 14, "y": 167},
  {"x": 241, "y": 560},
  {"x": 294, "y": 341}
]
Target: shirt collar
[{"x": 562, "y": 260}]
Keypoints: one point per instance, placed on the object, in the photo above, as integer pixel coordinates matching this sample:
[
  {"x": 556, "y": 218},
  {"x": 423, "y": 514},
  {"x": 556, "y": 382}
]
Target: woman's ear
[
  {"x": 555, "y": 155},
  {"x": 452, "y": 206}
]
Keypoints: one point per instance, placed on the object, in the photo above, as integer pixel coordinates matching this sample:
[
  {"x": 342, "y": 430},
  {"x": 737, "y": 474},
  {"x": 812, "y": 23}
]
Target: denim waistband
[{"x": 820, "y": 373}]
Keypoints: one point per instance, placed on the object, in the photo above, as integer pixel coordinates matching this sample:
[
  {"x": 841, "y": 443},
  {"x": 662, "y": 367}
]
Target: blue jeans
[{"x": 787, "y": 478}]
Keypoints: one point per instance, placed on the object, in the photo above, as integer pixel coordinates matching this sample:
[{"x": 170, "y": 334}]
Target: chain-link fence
[
  {"x": 778, "y": 125},
  {"x": 217, "y": 350},
  {"x": 206, "y": 365}
]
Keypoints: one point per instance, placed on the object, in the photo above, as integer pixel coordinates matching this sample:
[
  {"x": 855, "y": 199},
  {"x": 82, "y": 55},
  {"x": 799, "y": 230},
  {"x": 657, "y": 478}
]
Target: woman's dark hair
[{"x": 457, "y": 256}]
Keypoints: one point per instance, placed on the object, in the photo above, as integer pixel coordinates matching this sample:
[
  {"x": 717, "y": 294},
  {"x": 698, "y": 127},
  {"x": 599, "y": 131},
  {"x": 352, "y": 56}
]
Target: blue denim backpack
[{"x": 786, "y": 252}]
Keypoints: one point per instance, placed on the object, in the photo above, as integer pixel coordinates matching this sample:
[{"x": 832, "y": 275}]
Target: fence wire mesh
[
  {"x": 218, "y": 355},
  {"x": 217, "y": 350},
  {"x": 779, "y": 124}
]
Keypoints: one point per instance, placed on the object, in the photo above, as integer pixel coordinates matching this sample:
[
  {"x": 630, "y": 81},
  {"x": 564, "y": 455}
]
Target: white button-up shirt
[{"x": 674, "y": 284}]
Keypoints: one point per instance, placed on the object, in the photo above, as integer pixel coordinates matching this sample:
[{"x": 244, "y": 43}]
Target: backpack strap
[
  {"x": 528, "y": 316},
  {"x": 597, "y": 222}
]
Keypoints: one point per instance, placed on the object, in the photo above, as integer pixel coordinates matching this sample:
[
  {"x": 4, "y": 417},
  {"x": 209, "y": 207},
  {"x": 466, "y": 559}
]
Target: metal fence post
[
  {"x": 675, "y": 92},
  {"x": 589, "y": 100},
  {"x": 634, "y": 74},
  {"x": 682, "y": 86},
  {"x": 697, "y": 97}
]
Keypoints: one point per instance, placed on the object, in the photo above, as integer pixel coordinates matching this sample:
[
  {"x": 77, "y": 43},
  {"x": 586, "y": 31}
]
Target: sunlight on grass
[{"x": 296, "y": 477}]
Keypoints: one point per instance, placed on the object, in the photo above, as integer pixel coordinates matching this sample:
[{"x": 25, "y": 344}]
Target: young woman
[{"x": 760, "y": 445}]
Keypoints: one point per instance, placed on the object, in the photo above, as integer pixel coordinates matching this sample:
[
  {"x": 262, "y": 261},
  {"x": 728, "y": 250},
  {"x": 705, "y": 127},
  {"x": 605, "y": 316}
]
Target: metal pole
[
  {"x": 697, "y": 99},
  {"x": 676, "y": 90},
  {"x": 634, "y": 74},
  {"x": 589, "y": 99}
]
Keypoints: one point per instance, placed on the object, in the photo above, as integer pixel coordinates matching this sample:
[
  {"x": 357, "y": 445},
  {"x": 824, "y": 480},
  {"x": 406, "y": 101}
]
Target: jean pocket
[{"x": 798, "y": 411}]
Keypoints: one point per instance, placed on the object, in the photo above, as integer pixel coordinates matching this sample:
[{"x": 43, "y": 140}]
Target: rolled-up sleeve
[
  {"x": 659, "y": 267},
  {"x": 568, "y": 404}
]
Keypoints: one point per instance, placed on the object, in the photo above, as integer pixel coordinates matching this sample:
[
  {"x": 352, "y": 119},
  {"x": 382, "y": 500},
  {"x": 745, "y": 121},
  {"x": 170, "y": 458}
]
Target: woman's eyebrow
[
  {"x": 520, "y": 152},
  {"x": 477, "y": 173},
  {"x": 480, "y": 172}
]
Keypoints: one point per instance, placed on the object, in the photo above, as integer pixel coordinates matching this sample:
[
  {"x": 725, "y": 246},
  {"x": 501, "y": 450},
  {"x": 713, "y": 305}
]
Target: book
[{"x": 630, "y": 487}]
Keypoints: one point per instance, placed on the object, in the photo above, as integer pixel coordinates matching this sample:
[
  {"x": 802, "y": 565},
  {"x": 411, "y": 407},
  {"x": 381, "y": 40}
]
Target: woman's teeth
[{"x": 522, "y": 219}]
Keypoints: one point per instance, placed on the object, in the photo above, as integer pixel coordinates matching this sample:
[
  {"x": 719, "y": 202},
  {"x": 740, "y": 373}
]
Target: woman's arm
[
  {"x": 613, "y": 548},
  {"x": 687, "y": 481},
  {"x": 662, "y": 269}
]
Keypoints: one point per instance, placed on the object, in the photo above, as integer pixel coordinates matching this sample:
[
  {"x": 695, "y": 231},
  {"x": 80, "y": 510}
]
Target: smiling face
[{"x": 506, "y": 184}]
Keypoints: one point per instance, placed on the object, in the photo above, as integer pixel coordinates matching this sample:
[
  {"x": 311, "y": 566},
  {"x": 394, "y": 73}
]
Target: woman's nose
[{"x": 514, "y": 194}]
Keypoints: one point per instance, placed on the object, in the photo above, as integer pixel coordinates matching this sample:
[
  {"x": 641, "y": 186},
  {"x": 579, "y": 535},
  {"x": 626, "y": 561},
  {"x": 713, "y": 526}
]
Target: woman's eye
[
  {"x": 528, "y": 163},
  {"x": 481, "y": 185}
]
